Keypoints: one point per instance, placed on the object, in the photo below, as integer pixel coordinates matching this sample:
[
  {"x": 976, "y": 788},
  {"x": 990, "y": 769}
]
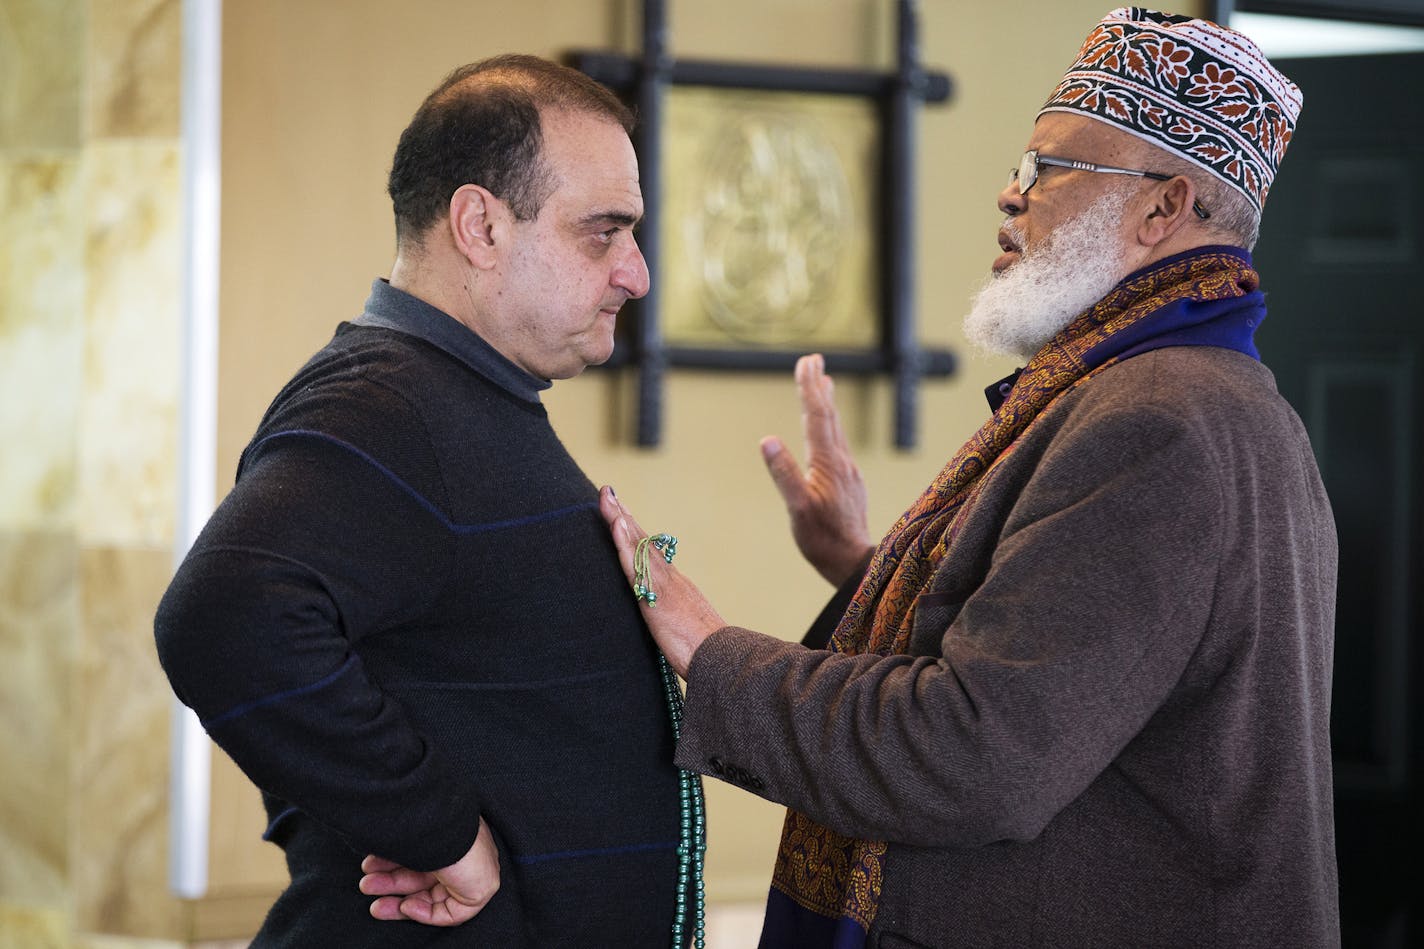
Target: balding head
[{"x": 482, "y": 126}]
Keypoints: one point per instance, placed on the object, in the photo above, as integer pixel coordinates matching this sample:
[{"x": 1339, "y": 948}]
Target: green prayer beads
[
  {"x": 692, "y": 841},
  {"x": 692, "y": 837}
]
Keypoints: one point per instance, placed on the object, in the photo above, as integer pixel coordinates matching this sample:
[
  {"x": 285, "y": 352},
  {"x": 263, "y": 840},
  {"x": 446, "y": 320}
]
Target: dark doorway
[{"x": 1341, "y": 263}]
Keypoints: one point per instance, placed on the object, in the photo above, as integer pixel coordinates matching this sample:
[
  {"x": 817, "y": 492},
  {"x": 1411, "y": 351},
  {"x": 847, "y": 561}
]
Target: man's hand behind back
[{"x": 445, "y": 897}]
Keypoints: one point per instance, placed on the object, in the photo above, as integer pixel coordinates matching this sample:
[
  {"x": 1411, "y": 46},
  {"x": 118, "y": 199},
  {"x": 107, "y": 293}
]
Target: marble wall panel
[
  {"x": 128, "y": 416},
  {"x": 42, "y": 284},
  {"x": 39, "y": 613},
  {"x": 134, "y": 68},
  {"x": 40, "y": 73},
  {"x": 26, "y": 927},
  {"x": 119, "y": 848},
  {"x": 90, "y": 941}
]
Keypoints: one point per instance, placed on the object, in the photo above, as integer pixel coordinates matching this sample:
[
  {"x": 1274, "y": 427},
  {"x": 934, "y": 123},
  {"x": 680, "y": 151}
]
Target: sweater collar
[{"x": 393, "y": 309}]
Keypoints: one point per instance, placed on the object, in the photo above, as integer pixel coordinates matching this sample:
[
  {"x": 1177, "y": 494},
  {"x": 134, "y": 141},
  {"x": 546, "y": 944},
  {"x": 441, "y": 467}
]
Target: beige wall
[
  {"x": 89, "y": 199},
  {"x": 315, "y": 93}
]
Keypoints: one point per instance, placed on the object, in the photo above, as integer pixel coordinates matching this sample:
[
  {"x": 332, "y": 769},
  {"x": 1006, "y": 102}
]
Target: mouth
[{"x": 1011, "y": 252}]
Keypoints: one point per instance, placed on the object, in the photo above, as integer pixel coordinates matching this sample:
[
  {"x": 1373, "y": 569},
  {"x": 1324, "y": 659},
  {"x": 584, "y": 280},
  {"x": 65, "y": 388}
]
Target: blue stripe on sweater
[
  {"x": 425, "y": 502},
  {"x": 245, "y": 707},
  {"x": 271, "y": 830}
]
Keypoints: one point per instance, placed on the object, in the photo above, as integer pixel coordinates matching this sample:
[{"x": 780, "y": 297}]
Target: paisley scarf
[{"x": 826, "y": 887}]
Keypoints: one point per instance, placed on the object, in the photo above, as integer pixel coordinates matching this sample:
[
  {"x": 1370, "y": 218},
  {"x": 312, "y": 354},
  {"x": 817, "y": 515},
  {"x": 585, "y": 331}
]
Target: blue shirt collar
[{"x": 397, "y": 310}]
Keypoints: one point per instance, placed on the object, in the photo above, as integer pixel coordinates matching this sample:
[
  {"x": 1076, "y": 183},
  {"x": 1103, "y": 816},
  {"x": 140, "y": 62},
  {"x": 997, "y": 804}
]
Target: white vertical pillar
[{"x": 190, "y": 789}]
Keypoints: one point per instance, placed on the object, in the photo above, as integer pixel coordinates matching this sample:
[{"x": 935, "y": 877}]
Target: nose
[
  {"x": 1011, "y": 201},
  {"x": 631, "y": 274}
]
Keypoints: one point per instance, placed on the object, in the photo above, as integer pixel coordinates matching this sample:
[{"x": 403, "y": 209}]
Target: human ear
[
  {"x": 472, "y": 213},
  {"x": 1170, "y": 209}
]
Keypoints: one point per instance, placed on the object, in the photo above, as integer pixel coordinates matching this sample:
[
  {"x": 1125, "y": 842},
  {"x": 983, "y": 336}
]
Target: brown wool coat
[{"x": 1113, "y": 725}]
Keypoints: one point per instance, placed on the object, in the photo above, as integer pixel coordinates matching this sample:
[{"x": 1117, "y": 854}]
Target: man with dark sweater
[{"x": 406, "y": 622}]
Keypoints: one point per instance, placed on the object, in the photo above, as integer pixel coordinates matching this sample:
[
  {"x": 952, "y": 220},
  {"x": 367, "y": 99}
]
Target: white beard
[{"x": 1016, "y": 312}]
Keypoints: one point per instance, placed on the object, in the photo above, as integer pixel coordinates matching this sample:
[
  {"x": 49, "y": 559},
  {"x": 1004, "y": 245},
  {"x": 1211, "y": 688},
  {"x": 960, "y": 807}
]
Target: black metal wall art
[{"x": 645, "y": 81}]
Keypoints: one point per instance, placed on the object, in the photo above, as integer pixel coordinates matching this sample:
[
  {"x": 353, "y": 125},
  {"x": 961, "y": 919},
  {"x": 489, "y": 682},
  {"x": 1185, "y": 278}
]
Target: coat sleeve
[
  {"x": 316, "y": 548},
  {"x": 1098, "y": 592}
]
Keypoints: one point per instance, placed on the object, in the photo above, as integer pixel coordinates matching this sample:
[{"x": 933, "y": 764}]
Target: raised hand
[
  {"x": 827, "y": 503},
  {"x": 446, "y": 897}
]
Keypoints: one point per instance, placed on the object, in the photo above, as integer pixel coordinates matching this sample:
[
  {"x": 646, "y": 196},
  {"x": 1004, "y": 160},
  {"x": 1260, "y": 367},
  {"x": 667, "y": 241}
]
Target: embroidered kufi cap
[{"x": 1187, "y": 85}]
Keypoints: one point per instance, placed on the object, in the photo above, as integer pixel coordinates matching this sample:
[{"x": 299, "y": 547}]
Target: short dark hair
[{"x": 481, "y": 126}]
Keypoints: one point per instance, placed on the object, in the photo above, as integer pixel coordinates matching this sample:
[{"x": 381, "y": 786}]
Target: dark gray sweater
[{"x": 407, "y": 615}]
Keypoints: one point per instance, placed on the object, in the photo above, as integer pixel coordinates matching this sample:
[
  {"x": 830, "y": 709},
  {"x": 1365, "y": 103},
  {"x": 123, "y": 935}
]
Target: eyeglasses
[{"x": 1026, "y": 174}]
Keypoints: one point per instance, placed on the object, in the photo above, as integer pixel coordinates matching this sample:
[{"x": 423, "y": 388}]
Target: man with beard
[{"x": 1079, "y": 694}]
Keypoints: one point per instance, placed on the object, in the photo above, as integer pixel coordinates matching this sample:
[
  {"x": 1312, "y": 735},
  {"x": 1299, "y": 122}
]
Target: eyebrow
[{"x": 601, "y": 218}]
